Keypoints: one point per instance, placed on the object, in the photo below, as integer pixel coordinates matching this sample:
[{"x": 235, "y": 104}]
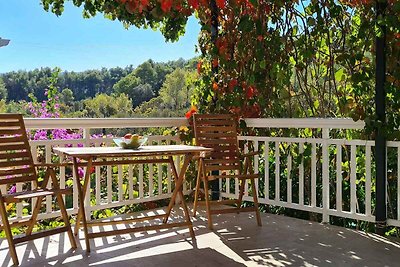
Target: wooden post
[
  {"x": 214, "y": 35},
  {"x": 380, "y": 138}
]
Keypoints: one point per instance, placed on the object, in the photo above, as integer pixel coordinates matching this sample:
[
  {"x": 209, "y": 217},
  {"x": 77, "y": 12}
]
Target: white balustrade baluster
[
  {"x": 277, "y": 172},
  {"x": 49, "y": 199},
  {"x": 301, "y": 174},
  {"x": 141, "y": 181},
  {"x": 289, "y": 176},
  {"x": 353, "y": 186},
  {"x": 368, "y": 179},
  {"x": 314, "y": 175},
  {"x": 130, "y": 179},
  {"x": 339, "y": 181},
  {"x": 120, "y": 184},
  {"x": 266, "y": 168}
]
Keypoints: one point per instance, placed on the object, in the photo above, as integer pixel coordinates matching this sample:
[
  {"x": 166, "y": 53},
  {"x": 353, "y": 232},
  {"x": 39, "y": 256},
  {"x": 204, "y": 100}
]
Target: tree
[
  {"x": 67, "y": 96},
  {"x": 141, "y": 93},
  {"x": 146, "y": 73},
  {"x": 3, "y": 90},
  {"x": 175, "y": 96},
  {"x": 174, "y": 91},
  {"x": 105, "y": 106}
]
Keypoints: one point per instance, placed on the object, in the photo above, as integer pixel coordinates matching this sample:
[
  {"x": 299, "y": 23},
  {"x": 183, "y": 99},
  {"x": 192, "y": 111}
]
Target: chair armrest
[{"x": 52, "y": 164}]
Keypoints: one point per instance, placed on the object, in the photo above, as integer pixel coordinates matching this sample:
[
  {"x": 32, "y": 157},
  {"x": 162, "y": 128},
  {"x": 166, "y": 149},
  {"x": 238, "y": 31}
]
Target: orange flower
[
  {"x": 191, "y": 111},
  {"x": 199, "y": 65},
  {"x": 215, "y": 86}
]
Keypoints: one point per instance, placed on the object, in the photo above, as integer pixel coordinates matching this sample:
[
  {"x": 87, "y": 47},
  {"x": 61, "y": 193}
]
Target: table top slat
[{"x": 158, "y": 150}]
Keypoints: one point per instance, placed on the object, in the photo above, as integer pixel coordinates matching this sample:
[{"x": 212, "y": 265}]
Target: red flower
[
  {"x": 178, "y": 6},
  {"x": 194, "y": 3},
  {"x": 250, "y": 92},
  {"x": 191, "y": 111},
  {"x": 131, "y": 7},
  {"x": 166, "y": 5},
  {"x": 215, "y": 62},
  {"x": 253, "y": 111},
  {"x": 204, "y": 3},
  {"x": 199, "y": 65},
  {"x": 232, "y": 84},
  {"x": 221, "y": 3}
]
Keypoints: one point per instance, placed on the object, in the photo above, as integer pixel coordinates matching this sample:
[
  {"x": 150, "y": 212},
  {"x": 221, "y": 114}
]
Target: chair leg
[
  {"x": 7, "y": 229},
  {"x": 241, "y": 193},
  {"x": 196, "y": 194},
  {"x": 66, "y": 220},
  {"x": 255, "y": 200},
  {"x": 63, "y": 210},
  {"x": 35, "y": 213},
  {"x": 208, "y": 204}
]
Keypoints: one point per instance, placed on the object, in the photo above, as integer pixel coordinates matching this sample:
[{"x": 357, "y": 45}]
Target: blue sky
[{"x": 41, "y": 39}]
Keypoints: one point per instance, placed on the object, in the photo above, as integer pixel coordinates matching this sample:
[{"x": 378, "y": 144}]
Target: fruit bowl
[{"x": 129, "y": 143}]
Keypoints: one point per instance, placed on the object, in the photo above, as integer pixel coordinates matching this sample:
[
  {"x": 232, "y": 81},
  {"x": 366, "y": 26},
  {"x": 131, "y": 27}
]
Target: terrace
[
  {"x": 326, "y": 176},
  {"x": 313, "y": 184}
]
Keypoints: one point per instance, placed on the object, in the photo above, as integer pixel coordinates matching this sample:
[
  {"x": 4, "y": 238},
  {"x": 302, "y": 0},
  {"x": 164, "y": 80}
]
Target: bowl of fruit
[{"x": 130, "y": 141}]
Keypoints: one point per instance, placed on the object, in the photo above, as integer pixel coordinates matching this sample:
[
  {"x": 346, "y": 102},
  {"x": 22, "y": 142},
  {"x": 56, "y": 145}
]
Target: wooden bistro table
[{"x": 101, "y": 156}]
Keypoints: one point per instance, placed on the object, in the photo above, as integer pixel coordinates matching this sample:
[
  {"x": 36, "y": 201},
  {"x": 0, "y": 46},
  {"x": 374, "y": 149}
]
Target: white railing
[
  {"x": 112, "y": 186},
  {"x": 320, "y": 180},
  {"x": 307, "y": 174}
]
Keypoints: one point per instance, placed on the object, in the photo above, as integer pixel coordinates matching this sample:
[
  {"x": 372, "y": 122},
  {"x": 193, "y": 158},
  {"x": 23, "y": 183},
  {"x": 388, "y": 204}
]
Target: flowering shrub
[{"x": 49, "y": 108}]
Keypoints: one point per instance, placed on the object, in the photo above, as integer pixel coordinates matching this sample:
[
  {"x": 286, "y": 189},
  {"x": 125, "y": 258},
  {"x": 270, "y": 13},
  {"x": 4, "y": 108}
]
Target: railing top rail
[
  {"x": 316, "y": 123},
  {"x": 75, "y": 123}
]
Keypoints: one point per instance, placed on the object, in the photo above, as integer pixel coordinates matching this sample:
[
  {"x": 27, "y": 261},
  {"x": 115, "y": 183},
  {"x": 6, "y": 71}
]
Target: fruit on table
[
  {"x": 131, "y": 141},
  {"x": 135, "y": 140}
]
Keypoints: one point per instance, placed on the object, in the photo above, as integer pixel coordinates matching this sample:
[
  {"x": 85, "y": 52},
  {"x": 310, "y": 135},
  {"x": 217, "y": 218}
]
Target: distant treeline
[{"x": 143, "y": 81}]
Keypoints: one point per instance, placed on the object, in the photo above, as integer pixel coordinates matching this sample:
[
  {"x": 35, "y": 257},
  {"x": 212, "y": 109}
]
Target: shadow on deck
[{"x": 235, "y": 241}]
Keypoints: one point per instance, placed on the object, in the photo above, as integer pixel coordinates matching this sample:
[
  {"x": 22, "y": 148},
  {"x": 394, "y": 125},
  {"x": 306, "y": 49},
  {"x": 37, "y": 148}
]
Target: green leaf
[{"x": 339, "y": 75}]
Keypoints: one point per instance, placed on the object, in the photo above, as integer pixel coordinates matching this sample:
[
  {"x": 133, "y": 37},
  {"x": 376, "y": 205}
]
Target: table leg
[
  {"x": 187, "y": 215},
  {"x": 179, "y": 178},
  {"x": 81, "y": 199}
]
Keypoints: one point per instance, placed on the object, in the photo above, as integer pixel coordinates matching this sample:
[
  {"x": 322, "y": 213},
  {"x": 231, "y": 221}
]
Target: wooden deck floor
[{"x": 235, "y": 241}]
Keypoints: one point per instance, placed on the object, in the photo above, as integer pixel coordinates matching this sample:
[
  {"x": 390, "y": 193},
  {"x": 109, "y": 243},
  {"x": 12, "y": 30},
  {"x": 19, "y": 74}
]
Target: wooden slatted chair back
[
  {"x": 16, "y": 162},
  {"x": 218, "y": 131}
]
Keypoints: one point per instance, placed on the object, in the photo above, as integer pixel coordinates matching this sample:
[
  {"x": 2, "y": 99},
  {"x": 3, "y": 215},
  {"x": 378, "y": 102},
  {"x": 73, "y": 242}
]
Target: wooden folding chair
[
  {"x": 17, "y": 168},
  {"x": 219, "y": 133}
]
